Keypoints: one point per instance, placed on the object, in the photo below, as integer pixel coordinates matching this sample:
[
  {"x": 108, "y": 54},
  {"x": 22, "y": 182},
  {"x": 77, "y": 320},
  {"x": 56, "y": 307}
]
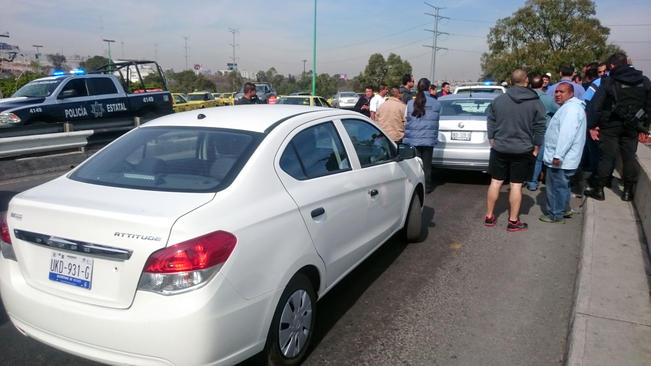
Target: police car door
[
  {"x": 105, "y": 100},
  {"x": 73, "y": 101}
]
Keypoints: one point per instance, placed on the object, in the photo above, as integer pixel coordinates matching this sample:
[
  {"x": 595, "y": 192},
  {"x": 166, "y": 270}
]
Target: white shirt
[{"x": 376, "y": 102}]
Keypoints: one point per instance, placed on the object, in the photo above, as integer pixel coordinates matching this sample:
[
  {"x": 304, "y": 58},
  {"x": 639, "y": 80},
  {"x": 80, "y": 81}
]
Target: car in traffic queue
[
  {"x": 345, "y": 100},
  {"x": 487, "y": 87},
  {"x": 308, "y": 100},
  {"x": 218, "y": 98},
  {"x": 228, "y": 98},
  {"x": 463, "y": 138},
  {"x": 179, "y": 103},
  {"x": 215, "y": 231},
  {"x": 201, "y": 100}
]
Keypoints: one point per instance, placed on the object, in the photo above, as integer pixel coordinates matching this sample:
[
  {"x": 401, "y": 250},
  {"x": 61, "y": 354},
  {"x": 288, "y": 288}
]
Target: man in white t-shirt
[{"x": 377, "y": 100}]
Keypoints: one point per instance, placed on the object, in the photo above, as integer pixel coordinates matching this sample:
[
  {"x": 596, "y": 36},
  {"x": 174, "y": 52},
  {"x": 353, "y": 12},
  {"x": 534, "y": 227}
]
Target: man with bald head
[
  {"x": 564, "y": 141},
  {"x": 516, "y": 128}
]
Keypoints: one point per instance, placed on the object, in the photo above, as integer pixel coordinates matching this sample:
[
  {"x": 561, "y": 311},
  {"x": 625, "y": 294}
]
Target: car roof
[
  {"x": 469, "y": 96},
  {"x": 256, "y": 118}
]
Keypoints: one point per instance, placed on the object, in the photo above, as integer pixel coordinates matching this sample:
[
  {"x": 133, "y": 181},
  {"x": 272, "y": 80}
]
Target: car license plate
[
  {"x": 71, "y": 269},
  {"x": 461, "y": 135}
]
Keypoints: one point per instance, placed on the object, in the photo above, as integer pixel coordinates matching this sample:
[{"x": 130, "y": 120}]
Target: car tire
[
  {"x": 293, "y": 323},
  {"x": 414, "y": 223}
]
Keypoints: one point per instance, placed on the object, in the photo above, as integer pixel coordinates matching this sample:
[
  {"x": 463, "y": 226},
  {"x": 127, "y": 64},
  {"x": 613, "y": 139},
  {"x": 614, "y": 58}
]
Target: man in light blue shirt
[{"x": 564, "y": 141}]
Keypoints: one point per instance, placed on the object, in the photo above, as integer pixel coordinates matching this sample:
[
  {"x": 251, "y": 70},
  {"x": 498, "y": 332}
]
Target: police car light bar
[
  {"x": 58, "y": 73},
  {"x": 78, "y": 71}
]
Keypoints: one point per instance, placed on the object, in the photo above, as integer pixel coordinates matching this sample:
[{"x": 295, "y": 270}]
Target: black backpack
[{"x": 630, "y": 105}]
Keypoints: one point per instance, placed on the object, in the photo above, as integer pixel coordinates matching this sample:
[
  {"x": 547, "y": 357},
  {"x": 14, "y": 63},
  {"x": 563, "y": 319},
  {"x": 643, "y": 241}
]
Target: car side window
[
  {"x": 315, "y": 152},
  {"x": 371, "y": 145},
  {"x": 317, "y": 102},
  {"x": 100, "y": 86},
  {"x": 79, "y": 87}
]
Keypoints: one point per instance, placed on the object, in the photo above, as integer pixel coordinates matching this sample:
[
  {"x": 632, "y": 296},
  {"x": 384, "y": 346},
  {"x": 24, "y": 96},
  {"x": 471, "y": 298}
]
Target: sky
[{"x": 280, "y": 33}]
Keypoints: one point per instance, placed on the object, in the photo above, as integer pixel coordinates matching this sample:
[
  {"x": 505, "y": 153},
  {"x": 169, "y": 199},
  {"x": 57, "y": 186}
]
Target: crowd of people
[{"x": 576, "y": 136}]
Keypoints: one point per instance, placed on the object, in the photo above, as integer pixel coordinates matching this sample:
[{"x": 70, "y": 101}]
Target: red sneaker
[
  {"x": 490, "y": 221},
  {"x": 516, "y": 226}
]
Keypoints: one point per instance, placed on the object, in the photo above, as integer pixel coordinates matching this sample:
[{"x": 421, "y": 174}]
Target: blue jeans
[
  {"x": 537, "y": 168},
  {"x": 558, "y": 191}
]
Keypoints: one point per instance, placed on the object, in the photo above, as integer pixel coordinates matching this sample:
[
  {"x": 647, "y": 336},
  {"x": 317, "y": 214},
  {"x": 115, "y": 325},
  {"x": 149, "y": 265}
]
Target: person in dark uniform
[
  {"x": 622, "y": 106},
  {"x": 363, "y": 105}
]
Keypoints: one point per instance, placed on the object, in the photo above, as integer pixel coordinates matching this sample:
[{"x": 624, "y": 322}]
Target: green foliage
[
  {"x": 93, "y": 63},
  {"x": 543, "y": 35},
  {"x": 389, "y": 71},
  {"x": 187, "y": 81},
  {"x": 235, "y": 80},
  {"x": 10, "y": 84},
  {"x": 58, "y": 61}
]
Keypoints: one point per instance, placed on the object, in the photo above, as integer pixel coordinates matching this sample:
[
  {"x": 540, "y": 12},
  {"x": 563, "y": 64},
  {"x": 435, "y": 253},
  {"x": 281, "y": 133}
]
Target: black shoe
[
  {"x": 627, "y": 195},
  {"x": 516, "y": 226},
  {"x": 490, "y": 221},
  {"x": 595, "y": 192}
]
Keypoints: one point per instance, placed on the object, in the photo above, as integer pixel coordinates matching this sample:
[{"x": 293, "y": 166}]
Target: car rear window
[
  {"x": 171, "y": 159},
  {"x": 297, "y": 101},
  {"x": 465, "y": 107}
]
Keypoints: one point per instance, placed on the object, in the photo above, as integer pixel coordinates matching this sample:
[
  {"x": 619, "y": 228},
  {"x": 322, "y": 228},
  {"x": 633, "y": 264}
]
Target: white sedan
[{"x": 205, "y": 237}]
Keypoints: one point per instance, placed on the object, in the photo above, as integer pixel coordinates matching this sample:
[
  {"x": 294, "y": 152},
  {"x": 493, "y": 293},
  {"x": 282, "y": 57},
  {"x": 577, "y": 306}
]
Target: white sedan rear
[{"x": 205, "y": 237}]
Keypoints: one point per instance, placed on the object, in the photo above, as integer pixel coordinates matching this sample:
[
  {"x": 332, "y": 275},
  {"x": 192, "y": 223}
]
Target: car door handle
[
  {"x": 373, "y": 192},
  {"x": 317, "y": 212}
]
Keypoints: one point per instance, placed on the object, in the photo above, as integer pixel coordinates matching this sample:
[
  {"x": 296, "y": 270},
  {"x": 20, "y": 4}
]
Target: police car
[{"x": 80, "y": 97}]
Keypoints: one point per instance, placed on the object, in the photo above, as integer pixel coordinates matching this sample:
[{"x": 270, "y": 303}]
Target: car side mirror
[
  {"x": 69, "y": 93},
  {"x": 406, "y": 151}
]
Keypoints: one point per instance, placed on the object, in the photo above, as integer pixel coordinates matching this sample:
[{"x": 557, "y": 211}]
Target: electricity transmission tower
[
  {"x": 234, "y": 45},
  {"x": 186, "y": 52},
  {"x": 435, "y": 35}
]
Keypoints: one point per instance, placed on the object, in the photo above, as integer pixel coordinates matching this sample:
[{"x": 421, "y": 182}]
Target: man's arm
[
  {"x": 539, "y": 125},
  {"x": 490, "y": 124}
]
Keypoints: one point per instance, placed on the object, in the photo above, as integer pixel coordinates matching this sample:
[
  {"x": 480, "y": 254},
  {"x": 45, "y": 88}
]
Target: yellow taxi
[
  {"x": 179, "y": 103},
  {"x": 201, "y": 100},
  {"x": 228, "y": 98},
  {"x": 218, "y": 98},
  {"x": 311, "y": 100}
]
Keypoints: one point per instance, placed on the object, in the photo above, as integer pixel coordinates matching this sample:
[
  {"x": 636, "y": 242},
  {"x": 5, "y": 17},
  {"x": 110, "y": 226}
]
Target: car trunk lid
[{"x": 89, "y": 243}]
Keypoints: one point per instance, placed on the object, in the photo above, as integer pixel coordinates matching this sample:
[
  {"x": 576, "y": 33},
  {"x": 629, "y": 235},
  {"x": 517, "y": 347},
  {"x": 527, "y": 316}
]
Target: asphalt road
[{"x": 466, "y": 295}]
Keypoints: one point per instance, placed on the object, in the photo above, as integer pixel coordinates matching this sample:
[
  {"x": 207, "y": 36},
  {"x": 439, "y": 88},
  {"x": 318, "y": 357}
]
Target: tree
[
  {"x": 379, "y": 71},
  {"x": 235, "y": 80},
  {"x": 543, "y": 35},
  {"x": 93, "y": 63},
  {"x": 58, "y": 61}
]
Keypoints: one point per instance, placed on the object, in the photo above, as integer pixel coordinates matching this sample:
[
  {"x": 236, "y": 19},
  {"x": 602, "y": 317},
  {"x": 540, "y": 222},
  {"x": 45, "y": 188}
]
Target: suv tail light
[
  {"x": 187, "y": 265},
  {"x": 5, "y": 239}
]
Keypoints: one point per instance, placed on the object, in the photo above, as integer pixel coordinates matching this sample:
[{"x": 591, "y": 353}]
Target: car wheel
[
  {"x": 293, "y": 323},
  {"x": 414, "y": 223}
]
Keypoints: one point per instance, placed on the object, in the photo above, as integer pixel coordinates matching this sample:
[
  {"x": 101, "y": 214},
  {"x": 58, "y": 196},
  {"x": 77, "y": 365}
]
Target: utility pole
[
  {"x": 314, "y": 55},
  {"x": 234, "y": 45},
  {"x": 108, "y": 43},
  {"x": 304, "y": 61},
  {"x": 38, "y": 58},
  {"x": 186, "y": 52},
  {"x": 435, "y": 36}
]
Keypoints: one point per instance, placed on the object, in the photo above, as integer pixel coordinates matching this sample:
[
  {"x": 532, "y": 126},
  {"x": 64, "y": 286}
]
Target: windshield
[
  {"x": 38, "y": 88},
  {"x": 465, "y": 107},
  {"x": 349, "y": 95},
  {"x": 181, "y": 159},
  {"x": 197, "y": 97},
  {"x": 298, "y": 101}
]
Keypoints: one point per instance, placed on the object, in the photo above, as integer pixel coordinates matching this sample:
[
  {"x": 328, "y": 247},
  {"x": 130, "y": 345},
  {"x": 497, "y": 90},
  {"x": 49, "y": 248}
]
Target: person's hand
[
  {"x": 490, "y": 141},
  {"x": 594, "y": 133},
  {"x": 556, "y": 162},
  {"x": 365, "y": 107},
  {"x": 536, "y": 149},
  {"x": 642, "y": 136}
]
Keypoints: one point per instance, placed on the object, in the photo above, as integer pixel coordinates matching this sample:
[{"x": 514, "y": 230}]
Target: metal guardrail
[{"x": 31, "y": 144}]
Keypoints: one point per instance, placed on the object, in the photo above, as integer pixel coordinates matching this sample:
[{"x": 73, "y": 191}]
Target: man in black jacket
[
  {"x": 622, "y": 107},
  {"x": 363, "y": 104},
  {"x": 516, "y": 128}
]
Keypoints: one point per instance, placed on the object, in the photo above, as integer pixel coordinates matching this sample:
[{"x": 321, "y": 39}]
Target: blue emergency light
[
  {"x": 78, "y": 71},
  {"x": 58, "y": 72}
]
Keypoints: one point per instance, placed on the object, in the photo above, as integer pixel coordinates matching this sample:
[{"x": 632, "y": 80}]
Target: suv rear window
[{"x": 171, "y": 159}]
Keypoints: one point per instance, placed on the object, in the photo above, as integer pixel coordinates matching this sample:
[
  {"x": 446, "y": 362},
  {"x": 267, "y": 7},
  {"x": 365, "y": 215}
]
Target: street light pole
[
  {"x": 108, "y": 43},
  {"x": 38, "y": 58},
  {"x": 314, "y": 55}
]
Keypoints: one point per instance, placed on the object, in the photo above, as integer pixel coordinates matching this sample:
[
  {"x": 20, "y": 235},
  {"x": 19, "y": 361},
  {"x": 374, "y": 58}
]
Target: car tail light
[
  {"x": 4, "y": 229},
  {"x": 187, "y": 265},
  {"x": 5, "y": 239}
]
